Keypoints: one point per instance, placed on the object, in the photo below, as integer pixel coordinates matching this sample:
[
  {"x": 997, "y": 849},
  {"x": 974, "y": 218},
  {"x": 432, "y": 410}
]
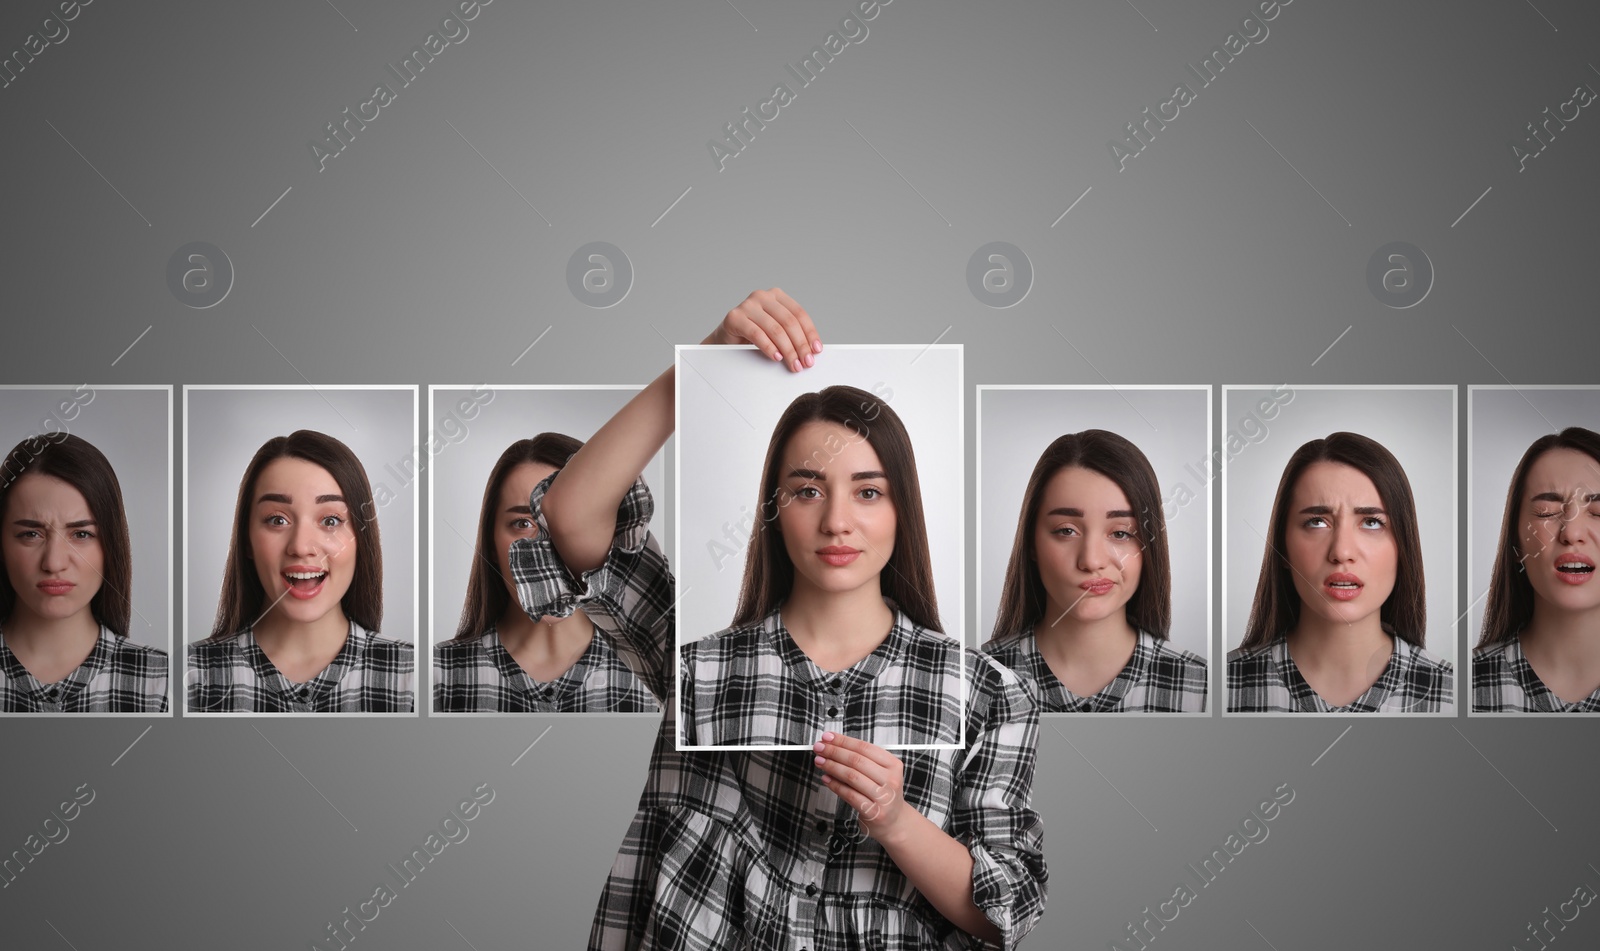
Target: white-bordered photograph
[
  {"x": 86, "y": 596},
  {"x": 1339, "y": 549},
  {"x": 1094, "y": 543},
  {"x": 1533, "y": 541},
  {"x": 300, "y": 555},
  {"x": 490, "y": 447},
  {"x": 820, "y": 548}
]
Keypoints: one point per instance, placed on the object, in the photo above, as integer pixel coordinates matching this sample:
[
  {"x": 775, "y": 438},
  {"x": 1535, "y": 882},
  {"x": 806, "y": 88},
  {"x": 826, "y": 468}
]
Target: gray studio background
[
  {"x": 1168, "y": 426},
  {"x": 1504, "y": 422},
  {"x": 434, "y": 248},
  {"x": 1417, "y": 425},
  {"x": 227, "y": 427},
  {"x": 468, "y": 452},
  {"x": 133, "y": 429},
  {"x": 731, "y": 402}
]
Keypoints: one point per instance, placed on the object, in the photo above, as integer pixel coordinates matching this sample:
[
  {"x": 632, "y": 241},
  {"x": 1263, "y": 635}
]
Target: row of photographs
[{"x": 1093, "y": 552}]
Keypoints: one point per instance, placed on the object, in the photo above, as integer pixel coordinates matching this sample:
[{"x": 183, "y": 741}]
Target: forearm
[
  {"x": 581, "y": 505},
  {"x": 940, "y": 868}
]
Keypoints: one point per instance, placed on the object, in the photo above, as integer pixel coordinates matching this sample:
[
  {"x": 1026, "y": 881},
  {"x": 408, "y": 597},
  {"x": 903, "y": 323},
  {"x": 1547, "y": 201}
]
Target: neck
[
  {"x": 836, "y": 628},
  {"x": 328, "y": 629},
  {"x": 72, "y": 636},
  {"x": 1317, "y": 641},
  {"x": 1566, "y": 637},
  {"x": 519, "y": 633},
  {"x": 1073, "y": 638}
]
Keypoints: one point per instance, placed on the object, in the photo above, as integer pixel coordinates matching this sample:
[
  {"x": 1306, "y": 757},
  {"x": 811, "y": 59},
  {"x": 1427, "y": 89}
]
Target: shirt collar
[
  {"x": 24, "y": 682},
  {"x": 1058, "y": 698},
  {"x": 1541, "y": 698},
  {"x": 325, "y": 682},
  {"x": 1401, "y": 659},
  {"x": 513, "y": 674},
  {"x": 806, "y": 671}
]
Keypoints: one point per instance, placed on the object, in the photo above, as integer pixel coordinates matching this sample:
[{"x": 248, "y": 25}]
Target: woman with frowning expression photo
[
  {"x": 1540, "y": 647},
  {"x": 65, "y": 595},
  {"x": 1339, "y": 616},
  {"x": 302, "y": 593},
  {"x": 1087, "y": 598},
  {"x": 503, "y": 661}
]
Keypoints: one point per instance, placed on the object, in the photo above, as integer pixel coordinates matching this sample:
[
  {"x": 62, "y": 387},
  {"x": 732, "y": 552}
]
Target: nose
[
  {"x": 1341, "y": 542},
  {"x": 304, "y": 540},
  {"x": 836, "y": 515},
  {"x": 57, "y": 554},
  {"x": 1094, "y": 554},
  {"x": 1567, "y": 530}
]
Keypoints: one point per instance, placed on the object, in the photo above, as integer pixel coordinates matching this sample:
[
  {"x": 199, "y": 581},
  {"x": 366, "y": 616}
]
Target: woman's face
[
  {"x": 300, "y": 539},
  {"x": 1340, "y": 547},
  {"x": 1087, "y": 545},
  {"x": 52, "y": 547},
  {"x": 836, "y": 511},
  {"x": 513, "y": 519},
  {"x": 1560, "y": 530}
]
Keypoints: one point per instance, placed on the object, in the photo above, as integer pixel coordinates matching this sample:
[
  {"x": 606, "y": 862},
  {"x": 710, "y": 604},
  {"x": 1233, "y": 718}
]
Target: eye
[
  {"x": 26, "y": 533},
  {"x": 1373, "y": 522},
  {"x": 332, "y": 521},
  {"x": 1315, "y": 521},
  {"x": 82, "y": 534},
  {"x": 1065, "y": 531},
  {"x": 522, "y": 524},
  {"x": 870, "y": 493},
  {"x": 1539, "y": 514},
  {"x": 1122, "y": 535},
  {"x": 808, "y": 492},
  {"x": 277, "y": 521}
]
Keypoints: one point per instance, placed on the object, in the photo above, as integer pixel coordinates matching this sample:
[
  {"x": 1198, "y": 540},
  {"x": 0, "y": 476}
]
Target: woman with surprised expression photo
[
  {"x": 302, "y": 593},
  {"x": 1540, "y": 647},
  {"x": 1087, "y": 598},
  {"x": 65, "y": 596},
  {"x": 1339, "y": 616}
]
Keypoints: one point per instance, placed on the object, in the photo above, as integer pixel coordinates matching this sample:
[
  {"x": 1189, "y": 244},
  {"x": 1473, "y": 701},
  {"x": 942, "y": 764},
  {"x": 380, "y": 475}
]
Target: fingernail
[
  {"x": 796, "y": 365},
  {"x": 816, "y": 346},
  {"x": 827, "y": 737},
  {"x": 776, "y": 355},
  {"x": 809, "y": 361},
  {"x": 820, "y": 761},
  {"x": 827, "y": 779},
  {"x": 819, "y": 748}
]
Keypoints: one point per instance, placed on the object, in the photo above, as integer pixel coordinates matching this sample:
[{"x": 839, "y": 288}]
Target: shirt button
[
  {"x": 834, "y": 684},
  {"x": 833, "y": 711},
  {"x": 822, "y": 826},
  {"x": 811, "y": 890}
]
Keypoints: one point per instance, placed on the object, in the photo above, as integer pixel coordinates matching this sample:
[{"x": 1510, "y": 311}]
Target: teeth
[
  {"x": 1574, "y": 566},
  {"x": 303, "y": 575},
  {"x": 1343, "y": 584}
]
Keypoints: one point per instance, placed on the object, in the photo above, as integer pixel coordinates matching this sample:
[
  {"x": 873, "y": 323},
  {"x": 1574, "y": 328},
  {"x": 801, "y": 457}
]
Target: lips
[
  {"x": 1574, "y": 568},
  {"x": 304, "y": 581},
  {"x": 1098, "y": 586},
  {"x": 837, "y": 555},
  {"x": 56, "y": 588},
  {"x": 1342, "y": 586}
]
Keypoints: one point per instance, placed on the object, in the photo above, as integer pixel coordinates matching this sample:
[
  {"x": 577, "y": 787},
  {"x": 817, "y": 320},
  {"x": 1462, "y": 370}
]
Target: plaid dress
[
  {"x": 481, "y": 676},
  {"x": 749, "y": 849},
  {"x": 1504, "y": 682},
  {"x": 753, "y": 686},
  {"x": 118, "y": 676},
  {"x": 1265, "y": 680},
  {"x": 1158, "y": 678},
  {"x": 370, "y": 674}
]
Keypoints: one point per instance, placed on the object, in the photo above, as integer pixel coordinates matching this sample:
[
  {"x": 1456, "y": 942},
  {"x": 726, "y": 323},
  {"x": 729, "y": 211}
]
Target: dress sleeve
[
  {"x": 994, "y": 813},
  {"x": 629, "y": 597}
]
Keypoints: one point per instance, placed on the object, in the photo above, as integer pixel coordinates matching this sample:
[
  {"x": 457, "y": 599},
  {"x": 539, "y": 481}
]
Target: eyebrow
[
  {"x": 1558, "y": 497},
  {"x": 1078, "y": 513},
  {"x": 286, "y": 500},
  {"x": 1358, "y": 510},
  {"x": 520, "y": 509},
  {"x": 820, "y": 477},
  {"x": 30, "y": 523}
]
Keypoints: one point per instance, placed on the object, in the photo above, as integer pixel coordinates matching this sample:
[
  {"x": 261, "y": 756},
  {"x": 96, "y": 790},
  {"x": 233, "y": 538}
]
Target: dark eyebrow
[
  {"x": 1358, "y": 510},
  {"x": 30, "y": 523},
  {"x": 1119, "y": 513},
  {"x": 1068, "y": 512},
  {"x": 806, "y": 474},
  {"x": 869, "y": 474},
  {"x": 286, "y": 500},
  {"x": 520, "y": 509}
]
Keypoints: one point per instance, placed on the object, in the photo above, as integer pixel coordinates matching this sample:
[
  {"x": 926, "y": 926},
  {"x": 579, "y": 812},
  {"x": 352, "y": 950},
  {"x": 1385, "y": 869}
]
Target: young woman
[
  {"x": 65, "y": 595},
  {"x": 845, "y": 846},
  {"x": 1087, "y": 598},
  {"x": 1540, "y": 648},
  {"x": 501, "y": 660},
  {"x": 302, "y": 593},
  {"x": 837, "y": 628},
  {"x": 1339, "y": 614}
]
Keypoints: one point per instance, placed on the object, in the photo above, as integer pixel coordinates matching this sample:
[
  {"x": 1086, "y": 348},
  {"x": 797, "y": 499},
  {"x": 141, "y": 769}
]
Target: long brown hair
[
  {"x": 1276, "y": 608},
  {"x": 907, "y": 578},
  {"x": 1022, "y": 595},
  {"x": 1510, "y": 604},
  {"x": 78, "y": 463},
  {"x": 242, "y": 598},
  {"x": 487, "y": 596}
]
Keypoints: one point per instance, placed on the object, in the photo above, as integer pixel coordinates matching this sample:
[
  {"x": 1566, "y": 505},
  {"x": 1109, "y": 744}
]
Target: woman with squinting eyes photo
[
  {"x": 1339, "y": 616},
  {"x": 1087, "y": 598},
  {"x": 837, "y": 628},
  {"x": 501, "y": 660},
  {"x": 65, "y": 595},
  {"x": 302, "y": 593},
  {"x": 840, "y": 846},
  {"x": 1540, "y": 647}
]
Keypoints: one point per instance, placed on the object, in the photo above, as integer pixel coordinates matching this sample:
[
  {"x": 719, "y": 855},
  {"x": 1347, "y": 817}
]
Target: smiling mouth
[
  {"x": 1574, "y": 570},
  {"x": 305, "y": 584}
]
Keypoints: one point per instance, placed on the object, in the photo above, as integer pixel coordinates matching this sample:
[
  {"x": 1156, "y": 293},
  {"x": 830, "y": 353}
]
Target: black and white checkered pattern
[
  {"x": 1158, "y": 678},
  {"x": 1504, "y": 682},
  {"x": 749, "y": 849},
  {"x": 754, "y": 686},
  {"x": 117, "y": 677},
  {"x": 1265, "y": 680},
  {"x": 370, "y": 674},
  {"x": 481, "y": 676}
]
